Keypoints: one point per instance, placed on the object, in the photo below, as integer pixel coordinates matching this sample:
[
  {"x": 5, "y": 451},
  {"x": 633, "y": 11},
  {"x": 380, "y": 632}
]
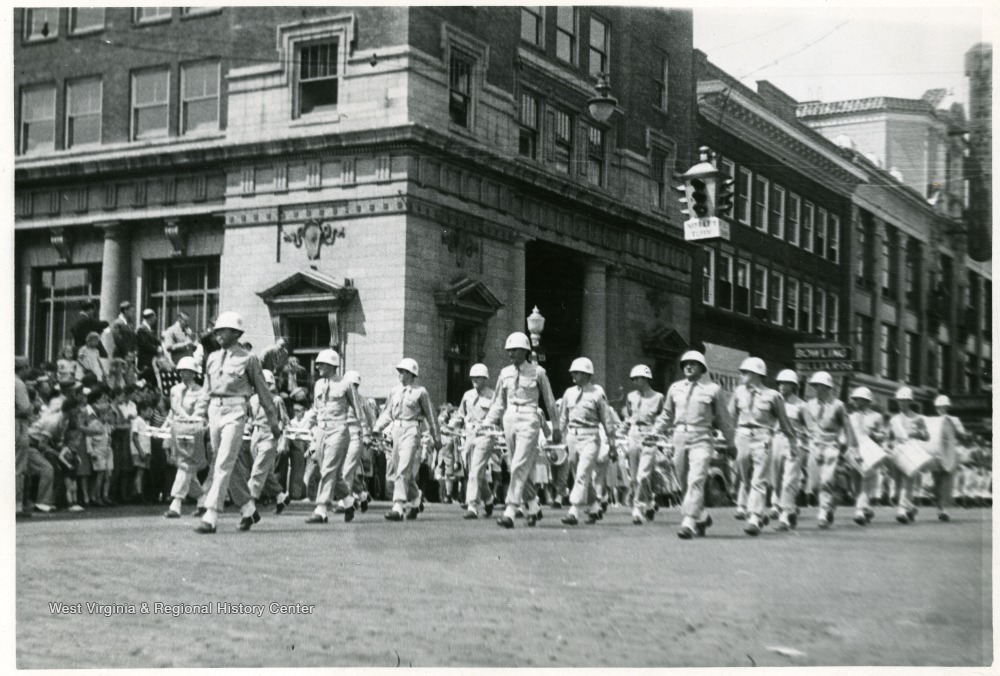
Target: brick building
[
  {"x": 392, "y": 181},
  {"x": 979, "y": 166}
]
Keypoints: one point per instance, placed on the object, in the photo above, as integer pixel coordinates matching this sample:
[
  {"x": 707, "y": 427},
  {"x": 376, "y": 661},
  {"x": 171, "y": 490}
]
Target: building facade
[
  {"x": 389, "y": 181},
  {"x": 979, "y": 166}
]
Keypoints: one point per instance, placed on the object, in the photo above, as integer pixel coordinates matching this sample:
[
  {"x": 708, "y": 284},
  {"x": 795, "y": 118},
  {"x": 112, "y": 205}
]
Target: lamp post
[
  {"x": 536, "y": 324},
  {"x": 604, "y": 105}
]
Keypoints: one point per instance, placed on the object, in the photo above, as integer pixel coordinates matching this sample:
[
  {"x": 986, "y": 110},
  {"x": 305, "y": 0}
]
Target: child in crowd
[
  {"x": 66, "y": 367},
  {"x": 76, "y": 441},
  {"x": 97, "y": 430},
  {"x": 141, "y": 445},
  {"x": 69, "y": 460},
  {"x": 89, "y": 359},
  {"x": 120, "y": 415}
]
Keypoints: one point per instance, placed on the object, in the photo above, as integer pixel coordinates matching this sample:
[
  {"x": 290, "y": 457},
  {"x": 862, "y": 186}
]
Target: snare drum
[
  {"x": 189, "y": 441},
  {"x": 911, "y": 457},
  {"x": 872, "y": 455},
  {"x": 557, "y": 453}
]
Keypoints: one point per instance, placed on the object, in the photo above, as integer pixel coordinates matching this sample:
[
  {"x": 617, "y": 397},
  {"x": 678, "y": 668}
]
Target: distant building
[{"x": 979, "y": 165}]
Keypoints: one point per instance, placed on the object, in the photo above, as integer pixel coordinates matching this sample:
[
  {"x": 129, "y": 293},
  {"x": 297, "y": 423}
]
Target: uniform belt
[
  {"x": 228, "y": 399},
  {"x": 582, "y": 427},
  {"x": 753, "y": 427},
  {"x": 523, "y": 406}
]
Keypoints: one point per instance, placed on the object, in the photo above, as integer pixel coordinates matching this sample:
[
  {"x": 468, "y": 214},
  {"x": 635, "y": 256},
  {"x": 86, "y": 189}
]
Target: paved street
[{"x": 447, "y": 592}]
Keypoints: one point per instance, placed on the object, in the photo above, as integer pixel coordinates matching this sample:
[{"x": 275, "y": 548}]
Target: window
[
  {"x": 833, "y": 239},
  {"x": 658, "y": 169},
  {"x": 777, "y": 225},
  {"x": 563, "y": 140},
  {"x": 600, "y": 37},
  {"x": 987, "y": 321},
  {"x": 890, "y": 263},
  {"x": 199, "y": 97},
  {"x": 742, "y": 301},
  {"x": 83, "y": 112},
  {"x": 82, "y": 19},
  {"x": 58, "y": 295},
  {"x": 318, "y": 78},
  {"x": 792, "y": 304},
  {"x": 794, "y": 218},
  {"x": 194, "y": 11},
  {"x": 41, "y": 23},
  {"x": 833, "y": 315},
  {"x": 888, "y": 346},
  {"x": 150, "y": 91},
  {"x": 805, "y": 308},
  {"x": 865, "y": 256},
  {"x": 762, "y": 194},
  {"x": 911, "y": 359},
  {"x": 777, "y": 304},
  {"x": 863, "y": 335},
  {"x": 946, "y": 274},
  {"x": 662, "y": 82},
  {"x": 566, "y": 33},
  {"x": 944, "y": 366},
  {"x": 708, "y": 277},
  {"x": 808, "y": 213},
  {"x": 38, "y": 119},
  {"x": 743, "y": 185},
  {"x": 533, "y": 25},
  {"x": 819, "y": 311},
  {"x": 151, "y": 13},
  {"x": 911, "y": 279},
  {"x": 819, "y": 240},
  {"x": 190, "y": 286},
  {"x": 595, "y": 155},
  {"x": 527, "y": 116},
  {"x": 724, "y": 282},
  {"x": 759, "y": 283}
]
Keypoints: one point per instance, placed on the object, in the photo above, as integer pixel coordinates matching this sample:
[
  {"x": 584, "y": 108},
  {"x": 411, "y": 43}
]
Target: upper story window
[
  {"x": 150, "y": 103},
  {"x": 595, "y": 155},
  {"x": 658, "y": 171},
  {"x": 83, "y": 112},
  {"x": 863, "y": 260},
  {"x": 777, "y": 225},
  {"x": 890, "y": 258},
  {"x": 744, "y": 182},
  {"x": 794, "y": 219},
  {"x": 199, "y": 97},
  {"x": 460, "y": 89},
  {"x": 760, "y": 276},
  {"x": 742, "y": 300},
  {"x": 318, "y": 77},
  {"x": 82, "y": 19},
  {"x": 144, "y": 14},
  {"x": 600, "y": 38},
  {"x": 708, "y": 277},
  {"x": 805, "y": 308},
  {"x": 792, "y": 304},
  {"x": 661, "y": 82},
  {"x": 194, "y": 11},
  {"x": 562, "y": 141},
  {"x": 527, "y": 117},
  {"x": 833, "y": 239},
  {"x": 819, "y": 311},
  {"x": 777, "y": 305},
  {"x": 41, "y": 23},
  {"x": 911, "y": 284},
  {"x": 761, "y": 196},
  {"x": 533, "y": 25},
  {"x": 808, "y": 217},
  {"x": 819, "y": 240},
  {"x": 724, "y": 282},
  {"x": 566, "y": 29},
  {"x": 38, "y": 118}
]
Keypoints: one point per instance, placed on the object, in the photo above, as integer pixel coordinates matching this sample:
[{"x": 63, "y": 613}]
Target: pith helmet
[
  {"x": 479, "y": 371},
  {"x": 862, "y": 393},
  {"x": 409, "y": 365},
  {"x": 695, "y": 356},
  {"x": 942, "y": 400},
  {"x": 517, "y": 341},
  {"x": 754, "y": 365},
  {"x": 821, "y": 378},
  {"x": 788, "y": 376},
  {"x": 229, "y": 320},
  {"x": 582, "y": 365},
  {"x": 641, "y": 371},
  {"x": 328, "y": 357},
  {"x": 904, "y": 394},
  {"x": 352, "y": 377},
  {"x": 187, "y": 364}
]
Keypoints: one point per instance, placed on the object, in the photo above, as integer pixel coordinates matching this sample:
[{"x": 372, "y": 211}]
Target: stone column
[
  {"x": 903, "y": 249},
  {"x": 114, "y": 269},
  {"x": 616, "y": 376},
  {"x": 876, "y": 305},
  {"x": 594, "y": 341},
  {"x": 517, "y": 315}
]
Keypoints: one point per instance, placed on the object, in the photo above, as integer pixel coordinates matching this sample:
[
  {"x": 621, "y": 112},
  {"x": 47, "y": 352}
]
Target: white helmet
[
  {"x": 187, "y": 364},
  {"x": 862, "y": 393},
  {"x": 582, "y": 365},
  {"x": 517, "y": 341},
  {"x": 695, "y": 356},
  {"x": 942, "y": 400},
  {"x": 821, "y": 378},
  {"x": 408, "y": 364},
  {"x": 328, "y": 357},
  {"x": 268, "y": 377},
  {"x": 352, "y": 377},
  {"x": 229, "y": 320},
  {"x": 641, "y": 371},
  {"x": 754, "y": 365},
  {"x": 904, "y": 394},
  {"x": 787, "y": 376},
  {"x": 479, "y": 371}
]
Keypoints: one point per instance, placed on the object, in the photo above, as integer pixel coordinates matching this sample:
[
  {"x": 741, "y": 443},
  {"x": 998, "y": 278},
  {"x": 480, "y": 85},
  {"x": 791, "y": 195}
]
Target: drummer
[
  {"x": 943, "y": 472},
  {"x": 642, "y": 405},
  {"x": 476, "y": 449},
  {"x": 188, "y": 434},
  {"x": 905, "y": 426},
  {"x": 867, "y": 423},
  {"x": 831, "y": 421}
]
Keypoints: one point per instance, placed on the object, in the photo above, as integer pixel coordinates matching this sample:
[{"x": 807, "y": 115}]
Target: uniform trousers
[
  {"x": 753, "y": 463},
  {"x": 21, "y": 448},
  {"x": 191, "y": 457},
  {"x": 406, "y": 461},
  {"x": 38, "y": 465},
  {"x": 478, "y": 490},
  {"x": 447, "y": 458},
  {"x": 585, "y": 444},
  {"x": 521, "y": 427},
  {"x": 561, "y": 474},
  {"x": 226, "y": 419},
  {"x": 351, "y": 473},
  {"x": 264, "y": 451},
  {"x": 826, "y": 455},
  {"x": 693, "y": 453},
  {"x": 333, "y": 445},
  {"x": 905, "y": 484},
  {"x": 644, "y": 477},
  {"x": 868, "y": 488},
  {"x": 598, "y": 489},
  {"x": 786, "y": 473}
]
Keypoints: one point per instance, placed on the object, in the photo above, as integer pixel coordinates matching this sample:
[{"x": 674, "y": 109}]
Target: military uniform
[
  {"x": 787, "y": 468},
  {"x": 868, "y": 424},
  {"x": 191, "y": 454},
  {"x": 640, "y": 415},
  {"x": 902, "y": 428},
  {"x": 332, "y": 400},
  {"x": 352, "y": 473},
  {"x": 830, "y": 420},
  {"x": 584, "y": 409},
  {"x": 757, "y": 410},
  {"x": 406, "y": 408},
  {"x": 476, "y": 449},
  {"x": 263, "y": 445}
]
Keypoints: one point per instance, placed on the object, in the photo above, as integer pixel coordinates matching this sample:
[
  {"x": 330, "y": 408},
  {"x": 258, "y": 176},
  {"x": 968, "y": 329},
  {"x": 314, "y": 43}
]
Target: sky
[{"x": 830, "y": 52}]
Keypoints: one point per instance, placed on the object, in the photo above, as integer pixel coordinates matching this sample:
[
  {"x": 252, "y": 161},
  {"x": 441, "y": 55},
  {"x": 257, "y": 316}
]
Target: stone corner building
[{"x": 387, "y": 180}]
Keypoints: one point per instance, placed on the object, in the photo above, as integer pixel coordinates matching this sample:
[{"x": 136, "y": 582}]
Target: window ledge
[
  {"x": 314, "y": 120},
  {"x": 85, "y": 32},
  {"x": 211, "y": 11},
  {"x": 460, "y": 130},
  {"x": 152, "y": 22},
  {"x": 40, "y": 40}
]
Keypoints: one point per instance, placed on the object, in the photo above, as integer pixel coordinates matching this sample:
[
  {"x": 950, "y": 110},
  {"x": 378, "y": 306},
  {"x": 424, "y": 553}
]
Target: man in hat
[
  {"x": 179, "y": 340},
  {"x": 476, "y": 448},
  {"x": 147, "y": 344},
  {"x": 86, "y": 323},
  {"x": 123, "y": 333},
  {"x": 905, "y": 426},
  {"x": 642, "y": 406},
  {"x": 867, "y": 423},
  {"x": 831, "y": 421},
  {"x": 788, "y": 468}
]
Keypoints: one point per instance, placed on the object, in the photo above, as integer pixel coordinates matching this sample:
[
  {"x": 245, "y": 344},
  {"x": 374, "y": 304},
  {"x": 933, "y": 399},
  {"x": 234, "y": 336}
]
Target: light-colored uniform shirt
[
  {"x": 829, "y": 419},
  {"x": 409, "y": 402},
  {"x": 472, "y": 410},
  {"x": 520, "y": 386},
  {"x": 235, "y": 373},
  {"x": 332, "y": 401},
  {"x": 759, "y": 407},
  {"x": 586, "y": 407},
  {"x": 869, "y": 424},
  {"x": 905, "y": 427},
  {"x": 367, "y": 412},
  {"x": 697, "y": 408},
  {"x": 798, "y": 415},
  {"x": 258, "y": 415},
  {"x": 184, "y": 399},
  {"x": 641, "y": 412}
]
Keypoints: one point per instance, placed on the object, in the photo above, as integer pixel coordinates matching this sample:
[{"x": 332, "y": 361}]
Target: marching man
[
  {"x": 190, "y": 447},
  {"x": 264, "y": 445},
  {"x": 516, "y": 400},
  {"x": 642, "y": 406},
  {"x": 353, "y": 472},
  {"x": 692, "y": 410},
  {"x": 787, "y": 467},
  {"x": 232, "y": 375},
  {"x": 946, "y": 456},
  {"x": 867, "y": 423},
  {"x": 476, "y": 448},
  {"x": 831, "y": 420},
  {"x": 904, "y": 426},
  {"x": 585, "y": 407},
  {"x": 757, "y": 410}
]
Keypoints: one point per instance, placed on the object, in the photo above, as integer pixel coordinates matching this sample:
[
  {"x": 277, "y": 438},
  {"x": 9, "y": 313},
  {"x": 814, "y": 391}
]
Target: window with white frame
[
  {"x": 744, "y": 184},
  {"x": 317, "y": 77},
  {"x": 819, "y": 311},
  {"x": 658, "y": 171},
  {"x": 41, "y": 23},
  {"x": 199, "y": 97},
  {"x": 805, "y": 308},
  {"x": 708, "y": 277},
  {"x": 794, "y": 219},
  {"x": 566, "y": 29},
  {"x": 777, "y": 224},
  {"x": 38, "y": 118},
  {"x": 83, "y": 112},
  {"x": 832, "y": 314},
  {"x": 661, "y": 83},
  {"x": 150, "y": 103},
  {"x": 600, "y": 45},
  {"x": 143, "y": 14},
  {"x": 833, "y": 238},
  {"x": 562, "y": 140},
  {"x": 819, "y": 237},
  {"x": 724, "y": 282},
  {"x": 777, "y": 304},
  {"x": 761, "y": 197},
  {"x": 808, "y": 219},
  {"x": 83, "y": 19},
  {"x": 595, "y": 155},
  {"x": 792, "y": 304},
  {"x": 742, "y": 300},
  {"x": 460, "y": 89},
  {"x": 533, "y": 25},
  {"x": 760, "y": 293},
  {"x": 190, "y": 286},
  {"x": 527, "y": 117}
]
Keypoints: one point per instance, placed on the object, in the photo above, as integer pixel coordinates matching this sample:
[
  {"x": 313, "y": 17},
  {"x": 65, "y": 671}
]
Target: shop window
[{"x": 190, "y": 286}]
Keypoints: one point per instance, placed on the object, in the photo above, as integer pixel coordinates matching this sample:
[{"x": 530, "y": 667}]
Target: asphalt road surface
[{"x": 442, "y": 591}]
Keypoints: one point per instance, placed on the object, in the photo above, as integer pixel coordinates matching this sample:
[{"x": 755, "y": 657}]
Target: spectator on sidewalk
[
  {"x": 147, "y": 344},
  {"x": 179, "y": 340},
  {"x": 85, "y": 323},
  {"x": 123, "y": 332}
]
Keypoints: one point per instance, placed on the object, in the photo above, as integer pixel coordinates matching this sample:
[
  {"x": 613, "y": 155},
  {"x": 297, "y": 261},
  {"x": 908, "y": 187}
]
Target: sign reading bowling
[{"x": 823, "y": 357}]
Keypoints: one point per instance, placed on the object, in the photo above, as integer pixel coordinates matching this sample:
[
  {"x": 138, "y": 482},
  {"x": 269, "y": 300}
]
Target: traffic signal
[
  {"x": 724, "y": 203},
  {"x": 686, "y": 198},
  {"x": 701, "y": 200}
]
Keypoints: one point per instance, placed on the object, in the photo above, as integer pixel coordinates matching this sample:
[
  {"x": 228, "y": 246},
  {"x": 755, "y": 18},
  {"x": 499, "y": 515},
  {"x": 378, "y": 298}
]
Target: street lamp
[
  {"x": 602, "y": 106},
  {"x": 536, "y": 324}
]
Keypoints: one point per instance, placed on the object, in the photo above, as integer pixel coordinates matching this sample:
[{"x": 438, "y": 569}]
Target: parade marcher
[
  {"x": 188, "y": 437},
  {"x": 232, "y": 375},
  {"x": 831, "y": 420},
  {"x": 867, "y": 423},
  {"x": 584, "y": 409},
  {"x": 904, "y": 426},
  {"x": 332, "y": 398},
  {"x": 642, "y": 406},
  {"x": 946, "y": 456},
  {"x": 352, "y": 472},
  {"x": 757, "y": 410},
  {"x": 407, "y": 406},
  {"x": 476, "y": 448},
  {"x": 447, "y": 463},
  {"x": 693, "y": 408},
  {"x": 516, "y": 401},
  {"x": 264, "y": 444},
  {"x": 788, "y": 468}
]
